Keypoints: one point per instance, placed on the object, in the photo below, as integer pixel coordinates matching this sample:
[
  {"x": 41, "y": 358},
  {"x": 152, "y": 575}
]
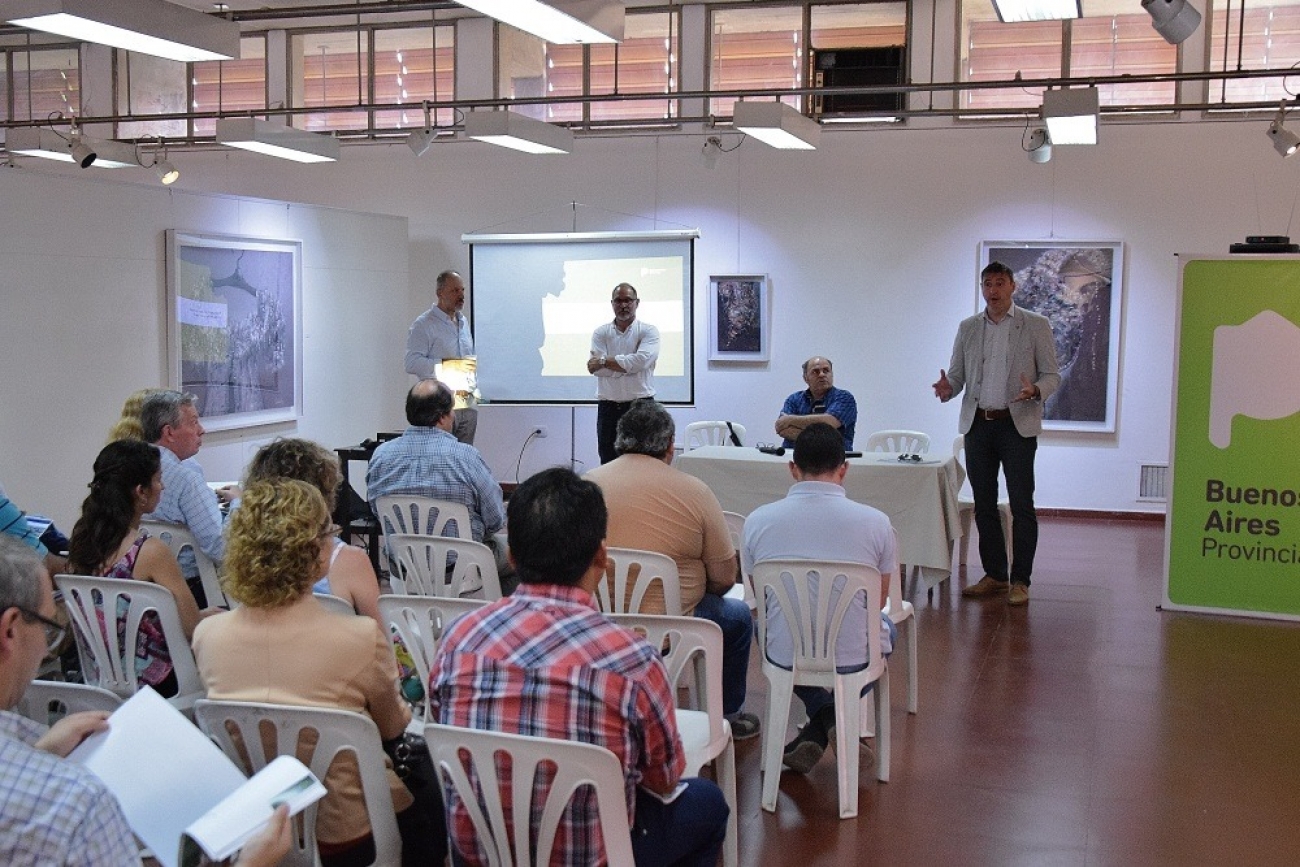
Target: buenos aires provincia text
[{"x": 1241, "y": 524}]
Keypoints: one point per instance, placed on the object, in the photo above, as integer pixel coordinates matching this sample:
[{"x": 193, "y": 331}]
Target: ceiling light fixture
[
  {"x": 47, "y": 144},
  {"x": 148, "y": 26},
  {"x": 1175, "y": 20},
  {"x": 167, "y": 173},
  {"x": 1038, "y": 146},
  {"x": 1037, "y": 10},
  {"x": 277, "y": 140},
  {"x": 511, "y": 130},
  {"x": 419, "y": 140},
  {"x": 776, "y": 124},
  {"x": 562, "y": 22},
  {"x": 1071, "y": 115},
  {"x": 712, "y": 147},
  {"x": 1285, "y": 142}
]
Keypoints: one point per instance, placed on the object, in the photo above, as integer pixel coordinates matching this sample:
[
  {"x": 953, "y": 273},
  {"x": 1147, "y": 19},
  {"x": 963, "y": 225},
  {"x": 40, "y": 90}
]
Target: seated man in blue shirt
[{"x": 821, "y": 401}]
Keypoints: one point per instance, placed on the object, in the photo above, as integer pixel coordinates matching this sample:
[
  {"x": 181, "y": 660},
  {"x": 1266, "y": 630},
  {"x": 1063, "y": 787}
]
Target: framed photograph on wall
[
  {"x": 234, "y": 327},
  {"x": 739, "y": 312},
  {"x": 1078, "y": 286}
]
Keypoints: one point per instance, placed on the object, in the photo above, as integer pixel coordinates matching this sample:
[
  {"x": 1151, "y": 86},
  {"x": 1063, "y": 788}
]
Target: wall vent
[{"x": 1153, "y": 483}]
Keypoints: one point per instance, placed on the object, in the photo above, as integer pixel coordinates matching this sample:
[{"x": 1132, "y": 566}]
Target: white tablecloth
[{"x": 919, "y": 498}]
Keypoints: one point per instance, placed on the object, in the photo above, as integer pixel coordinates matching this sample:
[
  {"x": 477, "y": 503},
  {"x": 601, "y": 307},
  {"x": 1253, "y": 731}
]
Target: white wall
[
  {"x": 82, "y": 280},
  {"x": 870, "y": 243}
]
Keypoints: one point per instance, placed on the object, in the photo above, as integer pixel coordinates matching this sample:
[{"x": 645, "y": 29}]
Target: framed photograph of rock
[
  {"x": 1078, "y": 286},
  {"x": 235, "y": 327},
  {"x": 739, "y": 312}
]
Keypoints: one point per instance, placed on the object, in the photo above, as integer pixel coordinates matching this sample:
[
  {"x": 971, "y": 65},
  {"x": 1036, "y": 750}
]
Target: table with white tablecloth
[{"x": 920, "y": 498}]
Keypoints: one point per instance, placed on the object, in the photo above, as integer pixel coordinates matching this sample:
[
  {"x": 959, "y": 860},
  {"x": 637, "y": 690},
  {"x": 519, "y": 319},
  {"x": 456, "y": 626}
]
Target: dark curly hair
[
  {"x": 107, "y": 514},
  {"x": 304, "y": 460}
]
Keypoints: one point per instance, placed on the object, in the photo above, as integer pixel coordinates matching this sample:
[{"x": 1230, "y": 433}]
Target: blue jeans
[
  {"x": 737, "y": 624},
  {"x": 990, "y": 444},
  {"x": 688, "y": 832},
  {"x": 815, "y": 698}
]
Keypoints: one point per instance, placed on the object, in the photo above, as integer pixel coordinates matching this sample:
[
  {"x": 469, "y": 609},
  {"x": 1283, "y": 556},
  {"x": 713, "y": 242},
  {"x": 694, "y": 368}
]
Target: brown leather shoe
[
  {"x": 987, "y": 586},
  {"x": 1018, "y": 594}
]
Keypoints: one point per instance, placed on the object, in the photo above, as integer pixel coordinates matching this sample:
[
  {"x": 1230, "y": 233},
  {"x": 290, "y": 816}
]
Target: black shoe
[{"x": 802, "y": 753}]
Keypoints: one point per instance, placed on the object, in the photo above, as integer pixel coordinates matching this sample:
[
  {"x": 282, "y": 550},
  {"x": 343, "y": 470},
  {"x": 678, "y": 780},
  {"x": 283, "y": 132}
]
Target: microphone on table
[{"x": 772, "y": 450}]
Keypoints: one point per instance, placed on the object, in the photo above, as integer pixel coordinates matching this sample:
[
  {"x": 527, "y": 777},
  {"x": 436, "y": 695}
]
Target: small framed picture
[
  {"x": 1079, "y": 287},
  {"x": 739, "y": 310}
]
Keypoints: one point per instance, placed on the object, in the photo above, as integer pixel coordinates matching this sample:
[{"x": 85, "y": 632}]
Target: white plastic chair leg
[
  {"x": 725, "y": 768},
  {"x": 779, "y": 696},
  {"x": 913, "y": 673}
]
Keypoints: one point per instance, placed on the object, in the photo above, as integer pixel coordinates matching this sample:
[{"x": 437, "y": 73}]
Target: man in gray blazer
[{"x": 1007, "y": 357}]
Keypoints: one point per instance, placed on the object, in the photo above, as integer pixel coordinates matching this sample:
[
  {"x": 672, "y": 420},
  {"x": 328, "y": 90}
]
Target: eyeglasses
[
  {"x": 906, "y": 457},
  {"x": 53, "y": 631}
]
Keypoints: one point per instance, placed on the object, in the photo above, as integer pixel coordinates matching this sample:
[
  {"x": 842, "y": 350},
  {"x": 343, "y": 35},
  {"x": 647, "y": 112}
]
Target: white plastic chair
[
  {"x": 822, "y": 592},
  {"x": 630, "y": 574},
  {"x": 966, "y": 511},
  {"x": 505, "y": 829},
  {"x": 86, "y": 596},
  {"x": 903, "y": 615},
  {"x": 178, "y": 537},
  {"x": 417, "y": 623},
  {"x": 422, "y": 570},
  {"x": 692, "y": 654},
  {"x": 736, "y": 529},
  {"x": 47, "y": 701},
  {"x": 905, "y": 442},
  {"x": 252, "y": 734},
  {"x": 335, "y": 604},
  {"x": 712, "y": 433},
  {"x": 419, "y": 516}
]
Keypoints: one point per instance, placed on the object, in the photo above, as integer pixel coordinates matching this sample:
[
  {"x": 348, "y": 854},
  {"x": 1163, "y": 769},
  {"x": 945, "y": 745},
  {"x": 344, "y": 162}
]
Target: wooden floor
[{"x": 1089, "y": 728}]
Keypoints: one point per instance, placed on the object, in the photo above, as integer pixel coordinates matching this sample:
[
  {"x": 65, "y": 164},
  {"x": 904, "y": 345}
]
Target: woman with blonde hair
[
  {"x": 350, "y": 576},
  {"x": 107, "y": 541},
  {"x": 282, "y": 646},
  {"x": 128, "y": 427}
]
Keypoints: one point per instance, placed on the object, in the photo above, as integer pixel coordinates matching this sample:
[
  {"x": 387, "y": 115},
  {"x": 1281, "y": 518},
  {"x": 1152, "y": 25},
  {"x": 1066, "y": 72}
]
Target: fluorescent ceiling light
[
  {"x": 511, "y": 130},
  {"x": 47, "y": 144},
  {"x": 148, "y": 26},
  {"x": 563, "y": 22},
  {"x": 776, "y": 124},
  {"x": 1174, "y": 20},
  {"x": 277, "y": 140},
  {"x": 1037, "y": 10},
  {"x": 1071, "y": 115}
]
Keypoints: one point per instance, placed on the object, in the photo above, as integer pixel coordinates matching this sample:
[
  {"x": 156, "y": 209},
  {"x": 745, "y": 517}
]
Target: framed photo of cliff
[
  {"x": 739, "y": 312},
  {"x": 1078, "y": 286},
  {"x": 234, "y": 327}
]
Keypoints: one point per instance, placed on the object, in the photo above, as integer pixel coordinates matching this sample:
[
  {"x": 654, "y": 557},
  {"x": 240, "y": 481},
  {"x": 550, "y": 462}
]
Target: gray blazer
[{"x": 1031, "y": 352}]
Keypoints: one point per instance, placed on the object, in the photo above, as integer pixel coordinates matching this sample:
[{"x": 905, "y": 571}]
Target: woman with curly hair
[
  {"x": 350, "y": 576},
  {"x": 128, "y": 427},
  {"x": 107, "y": 541},
  {"x": 282, "y": 646}
]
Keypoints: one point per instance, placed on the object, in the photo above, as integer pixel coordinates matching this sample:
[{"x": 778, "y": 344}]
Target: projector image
[{"x": 1265, "y": 244}]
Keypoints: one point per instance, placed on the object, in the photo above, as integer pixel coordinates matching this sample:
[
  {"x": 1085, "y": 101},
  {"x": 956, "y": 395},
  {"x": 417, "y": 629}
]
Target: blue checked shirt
[
  {"x": 52, "y": 811},
  {"x": 836, "y": 402},
  {"x": 429, "y": 462},
  {"x": 187, "y": 499}
]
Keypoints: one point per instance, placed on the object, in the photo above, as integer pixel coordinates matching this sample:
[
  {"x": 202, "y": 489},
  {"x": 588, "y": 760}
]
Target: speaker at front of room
[{"x": 858, "y": 67}]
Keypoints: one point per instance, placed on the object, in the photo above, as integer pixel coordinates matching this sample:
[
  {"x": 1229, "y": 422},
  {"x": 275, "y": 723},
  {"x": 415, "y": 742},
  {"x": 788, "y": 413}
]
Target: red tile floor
[{"x": 1088, "y": 728}]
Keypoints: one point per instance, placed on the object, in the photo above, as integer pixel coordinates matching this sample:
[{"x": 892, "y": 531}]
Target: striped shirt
[
  {"x": 52, "y": 811},
  {"x": 545, "y": 662}
]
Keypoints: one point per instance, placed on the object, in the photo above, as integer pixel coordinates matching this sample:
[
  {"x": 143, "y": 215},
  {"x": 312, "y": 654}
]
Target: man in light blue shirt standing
[{"x": 441, "y": 333}]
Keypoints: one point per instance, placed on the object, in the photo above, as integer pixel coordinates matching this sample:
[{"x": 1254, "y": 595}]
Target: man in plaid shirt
[{"x": 545, "y": 662}]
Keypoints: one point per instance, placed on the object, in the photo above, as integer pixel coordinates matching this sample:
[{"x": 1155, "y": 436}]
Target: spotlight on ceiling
[
  {"x": 712, "y": 147},
  {"x": 1071, "y": 115},
  {"x": 420, "y": 139},
  {"x": 1174, "y": 20},
  {"x": 82, "y": 154},
  {"x": 1285, "y": 142},
  {"x": 1039, "y": 146},
  {"x": 167, "y": 173}
]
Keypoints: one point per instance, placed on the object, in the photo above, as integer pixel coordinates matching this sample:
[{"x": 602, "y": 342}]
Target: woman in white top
[{"x": 350, "y": 575}]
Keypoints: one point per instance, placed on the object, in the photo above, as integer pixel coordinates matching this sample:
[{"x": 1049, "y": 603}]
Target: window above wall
[
  {"x": 1267, "y": 36},
  {"x": 37, "y": 82}
]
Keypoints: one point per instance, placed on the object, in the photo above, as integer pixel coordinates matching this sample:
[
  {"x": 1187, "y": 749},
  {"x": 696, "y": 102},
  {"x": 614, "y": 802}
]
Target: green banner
[{"x": 1234, "y": 510}]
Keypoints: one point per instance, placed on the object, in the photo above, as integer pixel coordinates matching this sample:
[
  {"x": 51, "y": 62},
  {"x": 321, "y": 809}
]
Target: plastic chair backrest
[
  {"x": 814, "y": 610},
  {"x": 911, "y": 442},
  {"x": 418, "y": 623},
  {"x": 504, "y": 829},
  {"x": 47, "y": 701},
  {"x": 736, "y": 527},
  {"x": 959, "y": 455},
  {"x": 712, "y": 433},
  {"x": 86, "y": 597},
  {"x": 178, "y": 537},
  {"x": 691, "y": 649},
  {"x": 894, "y": 604},
  {"x": 422, "y": 516},
  {"x": 334, "y": 603},
  {"x": 422, "y": 567},
  {"x": 237, "y": 728},
  {"x": 630, "y": 574}
]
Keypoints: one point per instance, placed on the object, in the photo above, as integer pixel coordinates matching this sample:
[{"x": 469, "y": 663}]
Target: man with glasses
[{"x": 623, "y": 356}]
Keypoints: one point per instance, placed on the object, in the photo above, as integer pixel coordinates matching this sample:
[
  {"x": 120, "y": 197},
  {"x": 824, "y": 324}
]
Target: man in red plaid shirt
[{"x": 546, "y": 662}]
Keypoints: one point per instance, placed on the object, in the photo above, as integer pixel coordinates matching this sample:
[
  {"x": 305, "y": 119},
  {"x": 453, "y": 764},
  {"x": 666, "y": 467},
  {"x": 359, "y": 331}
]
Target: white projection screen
[{"x": 535, "y": 300}]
